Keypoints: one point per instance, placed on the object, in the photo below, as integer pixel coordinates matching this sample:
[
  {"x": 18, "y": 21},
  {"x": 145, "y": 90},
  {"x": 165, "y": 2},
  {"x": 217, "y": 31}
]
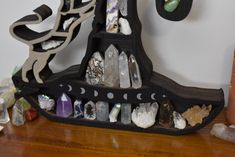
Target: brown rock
[
  {"x": 196, "y": 114},
  {"x": 166, "y": 114}
]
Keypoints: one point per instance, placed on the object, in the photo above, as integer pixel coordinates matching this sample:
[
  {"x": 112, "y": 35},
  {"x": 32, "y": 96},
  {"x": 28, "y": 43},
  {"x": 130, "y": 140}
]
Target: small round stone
[
  {"x": 171, "y": 5},
  {"x": 110, "y": 95}
]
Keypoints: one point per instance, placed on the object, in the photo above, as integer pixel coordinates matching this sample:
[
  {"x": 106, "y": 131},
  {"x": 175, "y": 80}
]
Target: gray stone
[
  {"x": 112, "y": 16},
  {"x": 90, "y": 111},
  {"x": 114, "y": 113},
  {"x": 102, "y": 111},
  {"x": 124, "y": 71},
  {"x": 111, "y": 67},
  {"x": 18, "y": 114},
  {"x": 136, "y": 79},
  {"x": 123, "y": 7},
  {"x": 179, "y": 121},
  {"x": 144, "y": 116},
  {"x": 126, "y": 113},
  {"x": 125, "y": 27},
  {"x": 95, "y": 69}
]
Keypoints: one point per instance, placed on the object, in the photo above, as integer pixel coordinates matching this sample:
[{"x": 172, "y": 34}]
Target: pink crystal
[{"x": 64, "y": 106}]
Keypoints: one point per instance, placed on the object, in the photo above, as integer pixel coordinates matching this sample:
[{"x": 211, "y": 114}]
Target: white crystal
[
  {"x": 90, "y": 111},
  {"x": 223, "y": 132},
  {"x": 114, "y": 113},
  {"x": 46, "y": 103},
  {"x": 123, "y": 7},
  {"x": 126, "y": 113},
  {"x": 124, "y": 71},
  {"x": 144, "y": 116},
  {"x": 112, "y": 16},
  {"x": 102, "y": 111},
  {"x": 95, "y": 70},
  {"x": 124, "y": 26},
  {"x": 179, "y": 121},
  {"x": 111, "y": 67},
  {"x": 136, "y": 79},
  {"x": 46, "y": 45},
  {"x": 68, "y": 22}
]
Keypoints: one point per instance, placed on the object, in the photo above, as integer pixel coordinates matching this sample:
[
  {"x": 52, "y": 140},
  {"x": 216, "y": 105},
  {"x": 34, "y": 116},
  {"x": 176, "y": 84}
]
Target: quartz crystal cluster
[
  {"x": 115, "y": 70},
  {"x": 115, "y": 13}
]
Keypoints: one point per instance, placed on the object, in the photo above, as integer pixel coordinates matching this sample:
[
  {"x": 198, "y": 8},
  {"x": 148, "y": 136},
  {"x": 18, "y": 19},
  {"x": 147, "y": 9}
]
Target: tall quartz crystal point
[
  {"x": 124, "y": 71},
  {"x": 102, "y": 111},
  {"x": 126, "y": 113},
  {"x": 64, "y": 106},
  {"x": 18, "y": 114},
  {"x": 144, "y": 116},
  {"x": 95, "y": 69},
  {"x": 112, "y": 16},
  {"x": 111, "y": 67},
  {"x": 123, "y": 7},
  {"x": 136, "y": 79},
  {"x": 90, "y": 111},
  {"x": 4, "y": 116}
]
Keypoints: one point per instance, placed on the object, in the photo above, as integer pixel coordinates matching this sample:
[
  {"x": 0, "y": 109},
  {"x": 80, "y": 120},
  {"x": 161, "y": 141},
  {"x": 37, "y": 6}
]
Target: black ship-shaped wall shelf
[{"x": 36, "y": 78}]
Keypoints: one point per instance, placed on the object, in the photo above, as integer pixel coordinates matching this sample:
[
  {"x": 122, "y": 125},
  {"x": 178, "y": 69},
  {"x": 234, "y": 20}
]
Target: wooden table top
[{"x": 42, "y": 138}]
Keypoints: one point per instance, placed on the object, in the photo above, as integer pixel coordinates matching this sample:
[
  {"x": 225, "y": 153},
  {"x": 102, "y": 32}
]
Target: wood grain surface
[{"x": 43, "y": 138}]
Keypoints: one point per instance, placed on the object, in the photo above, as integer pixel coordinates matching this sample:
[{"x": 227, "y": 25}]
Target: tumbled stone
[
  {"x": 125, "y": 27},
  {"x": 112, "y": 16},
  {"x": 144, "y": 116},
  {"x": 4, "y": 116},
  {"x": 46, "y": 102},
  {"x": 179, "y": 121},
  {"x": 114, "y": 113},
  {"x": 124, "y": 71},
  {"x": 223, "y": 132},
  {"x": 126, "y": 113},
  {"x": 111, "y": 67},
  {"x": 18, "y": 114},
  {"x": 90, "y": 111},
  {"x": 64, "y": 107},
  {"x": 102, "y": 111},
  {"x": 196, "y": 114},
  {"x": 166, "y": 114},
  {"x": 78, "y": 109},
  {"x": 123, "y": 7},
  {"x": 31, "y": 114},
  {"x": 171, "y": 5},
  {"x": 136, "y": 79},
  {"x": 95, "y": 69}
]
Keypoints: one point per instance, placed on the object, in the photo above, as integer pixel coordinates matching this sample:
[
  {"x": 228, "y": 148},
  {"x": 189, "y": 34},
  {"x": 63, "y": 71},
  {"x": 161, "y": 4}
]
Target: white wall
[{"x": 195, "y": 52}]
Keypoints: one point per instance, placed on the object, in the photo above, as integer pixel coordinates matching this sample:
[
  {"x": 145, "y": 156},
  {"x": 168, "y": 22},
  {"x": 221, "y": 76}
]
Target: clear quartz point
[
  {"x": 111, "y": 67},
  {"x": 102, "y": 111},
  {"x": 124, "y": 71},
  {"x": 135, "y": 73},
  {"x": 126, "y": 113}
]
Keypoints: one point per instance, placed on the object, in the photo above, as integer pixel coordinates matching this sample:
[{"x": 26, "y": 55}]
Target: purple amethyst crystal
[{"x": 64, "y": 106}]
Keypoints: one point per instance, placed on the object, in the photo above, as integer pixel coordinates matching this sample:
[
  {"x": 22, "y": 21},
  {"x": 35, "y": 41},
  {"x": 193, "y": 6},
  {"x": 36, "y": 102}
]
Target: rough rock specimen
[
  {"x": 46, "y": 45},
  {"x": 136, "y": 79},
  {"x": 125, "y": 27},
  {"x": 68, "y": 22},
  {"x": 179, "y": 121},
  {"x": 123, "y": 7},
  {"x": 102, "y": 111},
  {"x": 196, "y": 114},
  {"x": 64, "y": 106},
  {"x": 95, "y": 69},
  {"x": 4, "y": 116},
  {"x": 46, "y": 103},
  {"x": 126, "y": 113},
  {"x": 223, "y": 132},
  {"x": 144, "y": 116},
  {"x": 124, "y": 71},
  {"x": 112, "y": 16},
  {"x": 18, "y": 114},
  {"x": 114, "y": 113},
  {"x": 111, "y": 67},
  {"x": 166, "y": 114},
  {"x": 78, "y": 109},
  {"x": 90, "y": 111}
]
